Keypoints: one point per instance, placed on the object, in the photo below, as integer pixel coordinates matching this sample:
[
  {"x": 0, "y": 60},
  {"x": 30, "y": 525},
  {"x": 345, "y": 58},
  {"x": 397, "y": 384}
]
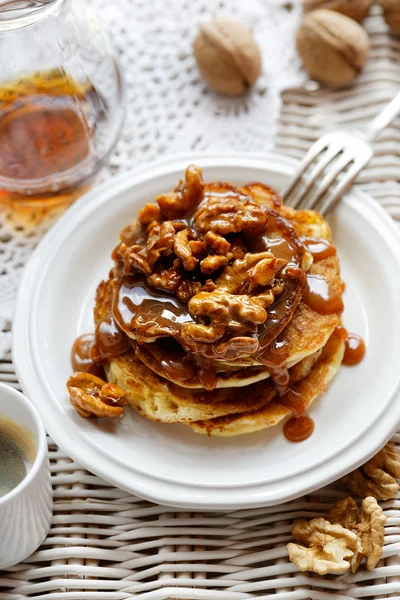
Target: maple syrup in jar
[{"x": 61, "y": 101}]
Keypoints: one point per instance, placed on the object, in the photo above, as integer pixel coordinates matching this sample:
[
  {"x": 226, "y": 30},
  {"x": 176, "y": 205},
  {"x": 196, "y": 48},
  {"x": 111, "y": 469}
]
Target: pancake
[
  {"x": 307, "y": 331},
  {"x": 309, "y": 387},
  {"x": 221, "y": 310},
  {"x": 233, "y": 410}
]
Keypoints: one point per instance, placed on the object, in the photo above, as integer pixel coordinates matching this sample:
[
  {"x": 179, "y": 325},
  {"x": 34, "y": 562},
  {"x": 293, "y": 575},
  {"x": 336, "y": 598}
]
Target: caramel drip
[
  {"x": 81, "y": 356},
  {"x": 140, "y": 310},
  {"x": 319, "y": 248},
  {"x": 319, "y": 295},
  {"x": 110, "y": 341},
  {"x": 294, "y": 401},
  {"x": 354, "y": 349},
  {"x": 208, "y": 376},
  {"x": 298, "y": 429},
  {"x": 172, "y": 360}
]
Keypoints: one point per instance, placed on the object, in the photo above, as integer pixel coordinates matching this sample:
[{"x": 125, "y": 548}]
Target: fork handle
[{"x": 384, "y": 118}]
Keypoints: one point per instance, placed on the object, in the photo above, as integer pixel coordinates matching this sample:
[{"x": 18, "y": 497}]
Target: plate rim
[{"x": 172, "y": 494}]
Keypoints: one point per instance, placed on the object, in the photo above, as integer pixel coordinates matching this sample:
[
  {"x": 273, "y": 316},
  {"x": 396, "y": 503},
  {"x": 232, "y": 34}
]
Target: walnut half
[
  {"x": 368, "y": 524},
  {"x": 377, "y": 477},
  {"x": 93, "y": 397},
  {"x": 322, "y": 547}
]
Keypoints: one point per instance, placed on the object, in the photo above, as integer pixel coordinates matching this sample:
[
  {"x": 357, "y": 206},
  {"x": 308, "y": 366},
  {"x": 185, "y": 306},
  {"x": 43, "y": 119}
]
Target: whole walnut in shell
[
  {"x": 333, "y": 48},
  {"x": 227, "y": 56},
  {"x": 391, "y": 13},
  {"x": 354, "y": 9}
]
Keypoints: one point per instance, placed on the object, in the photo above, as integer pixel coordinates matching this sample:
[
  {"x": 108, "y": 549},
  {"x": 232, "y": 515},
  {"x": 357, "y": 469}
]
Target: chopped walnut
[
  {"x": 186, "y": 196},
  {"x": 209, "y": 286},
  {"x": 160, "y": 241},
  {"x": 197, "y": 247},
  {"x": 166, "y": 279},
  {"x": 229, "y": 215},
  {"x": 212, "y": 263},
  {"x": 265, "y": 270},
  {"x": 221, "y": 307},
  {"x": 237, "y": 248},
  {"x": 235, "y": 278},
  {"x": 217, "y": 243},
  {"x": 134, "y": 258},
  {"x": 93, "y": 397},
  {"x": 150, "y": 212},
  {"x": 202, "y": 333},
  {"x": 322, "y": 547},
  {"x": 183, "y": 249},
  {"x": 133, "y": 234},
  {"x": 368, "y": 524},
  {"x": 377, "y": 477},
  {"x": 187, "y": 289}
]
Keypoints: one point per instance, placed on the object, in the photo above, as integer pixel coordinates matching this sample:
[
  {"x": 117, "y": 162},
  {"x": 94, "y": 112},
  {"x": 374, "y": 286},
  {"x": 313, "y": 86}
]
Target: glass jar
[{"x": 61, "y": 98}]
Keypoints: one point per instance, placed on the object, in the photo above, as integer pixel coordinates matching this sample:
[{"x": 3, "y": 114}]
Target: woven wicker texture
[{"x": 106, "y": 544}]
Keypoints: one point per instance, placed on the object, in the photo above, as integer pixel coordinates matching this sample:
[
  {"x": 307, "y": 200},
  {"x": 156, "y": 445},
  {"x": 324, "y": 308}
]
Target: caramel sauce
[
  {"x": 278, "y": 237},
  {"x": 294, "y": 401},
  {"x": 140, "y": 309},
  {"x": 319, "y": 295},
  {"x": 274, "y": 357},
  {"x": 298, "y": 429},
  {"x": 81, "y": 359},
  {"x": 172, "y": 360},
  {"x": 341, "y": 332},
  {"x": 354, "y": 349},
  {"x": 110, "y": 341},
  {"x": 208, "y": 376},
  {"x": 319, "y": 248}
]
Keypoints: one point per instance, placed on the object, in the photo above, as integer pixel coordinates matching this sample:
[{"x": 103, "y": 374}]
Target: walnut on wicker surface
[
  {"x": 342, "y": 540},
  {"x": 368, "y": 524},
  {"x": 322, "y": 547},
  {"x": 377, "y": 477},
  {"x": 93, "y": 397}
]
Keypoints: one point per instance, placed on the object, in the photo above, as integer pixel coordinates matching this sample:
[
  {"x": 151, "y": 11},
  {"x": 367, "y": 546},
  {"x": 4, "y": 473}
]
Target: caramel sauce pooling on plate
[{"x": 298, "y": 429}]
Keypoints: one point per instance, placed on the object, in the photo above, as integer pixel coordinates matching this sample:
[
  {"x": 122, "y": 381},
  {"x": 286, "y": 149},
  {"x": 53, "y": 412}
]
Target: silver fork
[{"x": 333, "y": 162}]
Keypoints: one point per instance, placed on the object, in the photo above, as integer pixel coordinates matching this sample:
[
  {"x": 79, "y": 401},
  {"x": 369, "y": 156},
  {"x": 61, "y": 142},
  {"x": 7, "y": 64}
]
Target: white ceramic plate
[{"x": 170, "y": 464}]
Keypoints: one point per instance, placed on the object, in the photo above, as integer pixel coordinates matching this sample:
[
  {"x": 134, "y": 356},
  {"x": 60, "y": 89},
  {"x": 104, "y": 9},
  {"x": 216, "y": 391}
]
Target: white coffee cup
[{"x": 26, "y": 510}]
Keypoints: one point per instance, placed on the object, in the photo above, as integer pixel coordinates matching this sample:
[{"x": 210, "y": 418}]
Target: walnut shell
[
  {"x": 391, "y": 13},
  {"x": 227, "y": 56},
  {"x": 333, "y": 48},
  {"x": 354, "y": 9}
]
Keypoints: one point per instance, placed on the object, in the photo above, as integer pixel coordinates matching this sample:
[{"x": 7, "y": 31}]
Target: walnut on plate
[
  {"x": 322, "y": 547},
  {"x": 368, "y": 524},
  {"x": 93, "y": 397},
  {"x": 187, "y": 195},
  {"x": 377, "y": 477},
  {"x": 228, "y": 214},
  {"x": 243, "y": 274},
  {"x": 220, "y": 309}
]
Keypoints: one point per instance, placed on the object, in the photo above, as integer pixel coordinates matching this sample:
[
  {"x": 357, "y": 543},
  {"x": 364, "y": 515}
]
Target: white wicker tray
[{"x": 107, "y": 545}]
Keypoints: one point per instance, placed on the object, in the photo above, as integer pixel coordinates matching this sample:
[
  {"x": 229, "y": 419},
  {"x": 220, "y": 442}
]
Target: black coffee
[
  {"x": 17, "y": 451},
  {"x": 13, "y": 464}
]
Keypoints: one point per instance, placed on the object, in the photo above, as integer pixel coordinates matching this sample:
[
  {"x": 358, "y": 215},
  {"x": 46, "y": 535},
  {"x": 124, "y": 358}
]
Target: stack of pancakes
[{"x": 223, "y": 305}]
